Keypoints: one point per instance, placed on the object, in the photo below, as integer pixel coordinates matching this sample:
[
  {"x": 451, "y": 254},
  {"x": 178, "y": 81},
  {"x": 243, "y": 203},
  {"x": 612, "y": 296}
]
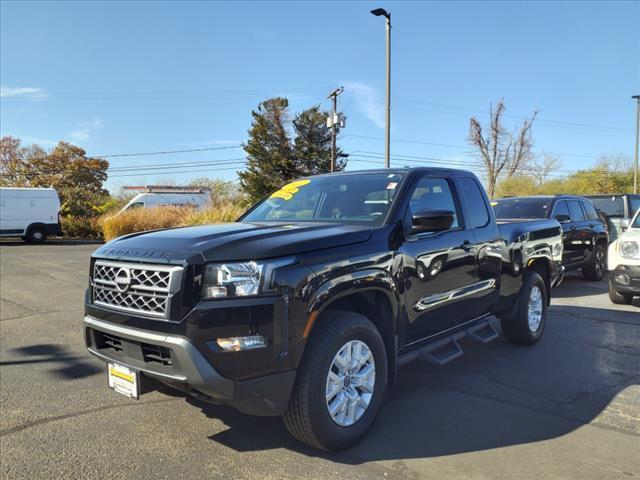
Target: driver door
[{"x": 438, "y": 267}]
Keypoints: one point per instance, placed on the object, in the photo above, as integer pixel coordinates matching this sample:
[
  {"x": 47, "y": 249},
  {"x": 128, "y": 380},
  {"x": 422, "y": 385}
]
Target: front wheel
[
  {"x": 618, "y": 297},
  {"x": 340, "y": 383},
  {"x": 527, "y": 326}
]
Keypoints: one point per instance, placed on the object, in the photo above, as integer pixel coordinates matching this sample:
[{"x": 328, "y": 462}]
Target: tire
[
  {"x": 307, "y": 417},
  {"x": 618, "y": 297},
  {"x": 595, "y": 264},
  {"x": 36, "y": 234},
  {"x": 518, "y": 329}
]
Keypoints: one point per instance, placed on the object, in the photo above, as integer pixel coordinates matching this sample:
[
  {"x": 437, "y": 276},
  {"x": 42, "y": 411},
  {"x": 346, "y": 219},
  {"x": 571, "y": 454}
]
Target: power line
[
  {"x": 165, "y": 152},
  {"x": 178, "y": 165},
  {"x": 174, "y": 173}
]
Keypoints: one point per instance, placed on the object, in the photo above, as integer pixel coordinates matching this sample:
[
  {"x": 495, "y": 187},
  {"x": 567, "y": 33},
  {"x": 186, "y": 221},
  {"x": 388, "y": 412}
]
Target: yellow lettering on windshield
[{"x": 288, "y": 191}]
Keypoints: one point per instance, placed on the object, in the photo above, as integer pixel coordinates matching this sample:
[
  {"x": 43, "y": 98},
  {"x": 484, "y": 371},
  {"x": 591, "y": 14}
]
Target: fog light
[
  {"x": 622, "y": 278},
  {"x": 235, "y": 344}
]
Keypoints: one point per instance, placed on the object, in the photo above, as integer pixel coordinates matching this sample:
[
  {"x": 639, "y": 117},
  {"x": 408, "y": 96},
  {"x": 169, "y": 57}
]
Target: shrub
[
  {"x": 145, "y": 219},
  {"x": 141, "y": 220},
  {"x": 221, "y": 213},
  {"x": 88, "y": 228}
]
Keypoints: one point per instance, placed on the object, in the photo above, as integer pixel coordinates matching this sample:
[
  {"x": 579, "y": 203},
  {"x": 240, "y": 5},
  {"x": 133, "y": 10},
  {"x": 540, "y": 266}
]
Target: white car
[
  {"x": 624, "y": 263},
  {"x": 196, "y": 199},
  {"x": 30, "y": 213}
]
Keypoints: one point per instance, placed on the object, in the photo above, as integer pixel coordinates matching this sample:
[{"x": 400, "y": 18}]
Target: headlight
[
  {"x": 629, "y": 249},
  {"x": 231, "y": 280}
]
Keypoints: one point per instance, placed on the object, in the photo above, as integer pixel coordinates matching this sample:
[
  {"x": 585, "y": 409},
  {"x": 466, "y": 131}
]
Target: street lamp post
[
  {"x": 635, "y": 166},
  {"x": 381, "y": 12}
]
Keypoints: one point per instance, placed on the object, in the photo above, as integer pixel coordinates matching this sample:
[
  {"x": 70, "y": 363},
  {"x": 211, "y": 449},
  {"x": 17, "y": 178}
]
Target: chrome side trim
[{"x": 432, "y": 301}]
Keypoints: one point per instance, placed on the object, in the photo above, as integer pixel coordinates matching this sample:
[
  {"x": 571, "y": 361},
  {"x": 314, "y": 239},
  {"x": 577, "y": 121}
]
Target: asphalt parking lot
[{"x": 567, "y": 408}]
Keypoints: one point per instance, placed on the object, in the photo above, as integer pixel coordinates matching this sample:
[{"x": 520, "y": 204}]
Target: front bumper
[
  {"x": 175, "y": 360},
  {"x": 626, "y": 278}
]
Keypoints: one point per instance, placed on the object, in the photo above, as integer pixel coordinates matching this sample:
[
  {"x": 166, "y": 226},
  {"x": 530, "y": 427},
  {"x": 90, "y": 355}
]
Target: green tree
[
  {"x": 269, "y": 151},
  {"x": 77, "y": 178},
  {"x": 274, "y": 159},
  {"x": 312, "y": 145},
  {"x": 517, "y": 185}
]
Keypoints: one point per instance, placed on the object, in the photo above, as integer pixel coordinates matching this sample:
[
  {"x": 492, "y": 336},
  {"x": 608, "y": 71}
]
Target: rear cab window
[{"x": 478, "y": 210}]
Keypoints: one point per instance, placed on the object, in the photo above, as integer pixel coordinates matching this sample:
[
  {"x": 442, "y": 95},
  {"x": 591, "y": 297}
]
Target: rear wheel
[
  {"x": 618, "y": 297},
  {"x": 595, "y": 264},
  {"x": 527, "y": 326},
  {"x": 36, "y": 234},
  {"x": 340, "y": 383}
]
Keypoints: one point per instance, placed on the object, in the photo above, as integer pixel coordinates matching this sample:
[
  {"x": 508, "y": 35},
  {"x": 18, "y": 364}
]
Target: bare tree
[
  {"x": 540, "y": 170},
  {"x": 503, "y": 153}
]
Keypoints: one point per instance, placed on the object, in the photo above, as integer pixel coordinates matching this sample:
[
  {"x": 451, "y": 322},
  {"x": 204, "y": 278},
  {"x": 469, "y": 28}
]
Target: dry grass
[{"x": 145, "y": 219}]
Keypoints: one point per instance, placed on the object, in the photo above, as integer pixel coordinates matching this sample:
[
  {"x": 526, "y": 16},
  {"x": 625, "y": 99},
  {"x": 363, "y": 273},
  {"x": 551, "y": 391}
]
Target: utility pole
[
  {"x": 332, "y": 122},
  {"x": 635, "y": 167},
  {"x": 381, "y": 12}
]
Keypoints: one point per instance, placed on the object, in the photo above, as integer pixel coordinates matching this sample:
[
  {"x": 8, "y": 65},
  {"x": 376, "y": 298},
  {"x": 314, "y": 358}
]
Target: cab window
[
  {"x": 434, "y": 194},
  {"x": 577, "y": 215},
  {"x": 590, "y": 210}
]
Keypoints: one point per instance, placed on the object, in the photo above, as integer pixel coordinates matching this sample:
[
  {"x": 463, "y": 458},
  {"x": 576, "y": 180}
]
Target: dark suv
[{"x": 584, "y": 232}]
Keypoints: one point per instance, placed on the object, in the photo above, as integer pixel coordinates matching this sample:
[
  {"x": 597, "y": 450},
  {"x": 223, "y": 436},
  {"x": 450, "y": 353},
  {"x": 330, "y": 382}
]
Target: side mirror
[
  {"x": 431, "y": 221},
  {"x": 563, "y": 218},
  {"x": 625, "y": 223}
]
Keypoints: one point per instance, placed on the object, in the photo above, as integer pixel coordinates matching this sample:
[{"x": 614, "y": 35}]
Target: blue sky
[{"x": 144, "y": 77}]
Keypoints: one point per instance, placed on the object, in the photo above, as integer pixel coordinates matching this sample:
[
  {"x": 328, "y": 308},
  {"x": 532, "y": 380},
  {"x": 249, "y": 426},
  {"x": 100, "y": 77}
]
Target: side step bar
[{"x": 444, "y": 350}]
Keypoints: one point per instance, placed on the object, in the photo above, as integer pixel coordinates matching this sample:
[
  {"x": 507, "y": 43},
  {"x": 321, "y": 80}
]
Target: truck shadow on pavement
[
  {"x": 67, "y": 367},
  {"x": 496, "y": 395}
]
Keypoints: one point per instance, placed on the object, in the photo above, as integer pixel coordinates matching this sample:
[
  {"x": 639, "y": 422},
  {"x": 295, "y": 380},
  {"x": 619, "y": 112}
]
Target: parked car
[
  {"x": 615, "y": 208},
  {"x": 308, "y": 304},
  {"x": 196, "y": 198},
  {"x": 624, "y": 262},
  {"x": 584, "y": 232},
  {"x": 30, "y": 213}
]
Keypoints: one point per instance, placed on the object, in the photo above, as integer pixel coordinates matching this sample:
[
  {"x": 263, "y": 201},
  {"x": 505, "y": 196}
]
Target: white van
[
  {"x": 30, "y": 213},
  {"x": 198, "y": 199}
]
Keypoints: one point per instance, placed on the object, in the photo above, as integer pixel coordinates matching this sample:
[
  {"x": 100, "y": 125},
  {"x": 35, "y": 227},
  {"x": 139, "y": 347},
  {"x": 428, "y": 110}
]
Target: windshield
[
  {"x": 345, "y": 198},
  {"x": 521, "y": 207},
  {"x": 636, "y": 220}
]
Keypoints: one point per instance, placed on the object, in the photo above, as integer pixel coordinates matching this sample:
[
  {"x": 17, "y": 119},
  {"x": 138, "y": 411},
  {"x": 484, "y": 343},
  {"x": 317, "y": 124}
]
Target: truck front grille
[{"x": 136, "y": 288}]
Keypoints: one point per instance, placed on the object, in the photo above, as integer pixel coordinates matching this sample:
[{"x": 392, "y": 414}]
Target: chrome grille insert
[{"x": 135, "y": 287}]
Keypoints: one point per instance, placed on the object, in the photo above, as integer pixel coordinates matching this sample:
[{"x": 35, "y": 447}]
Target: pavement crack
[
  {"x": 43, "y": 421},
  {"x": 44, "y": 312}
]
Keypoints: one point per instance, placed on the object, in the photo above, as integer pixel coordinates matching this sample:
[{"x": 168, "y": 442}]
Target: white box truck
[{"x": 30, "y": 213}]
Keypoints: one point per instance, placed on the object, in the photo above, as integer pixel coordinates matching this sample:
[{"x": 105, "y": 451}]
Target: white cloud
[
  {"x": 83, "y": 131},
  {"x": 368, "y": 100},
  {"x": 25, "y": 92}
]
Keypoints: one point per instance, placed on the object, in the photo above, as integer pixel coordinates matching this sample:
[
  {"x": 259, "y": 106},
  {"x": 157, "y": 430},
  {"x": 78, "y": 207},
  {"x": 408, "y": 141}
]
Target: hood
[
  {"x": 233, "y": 241},
  {"x": 630, "y": 234}
]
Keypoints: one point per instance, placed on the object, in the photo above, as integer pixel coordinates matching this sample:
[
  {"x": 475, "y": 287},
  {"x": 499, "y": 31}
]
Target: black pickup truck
[{"x": 307, "y": 305}]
